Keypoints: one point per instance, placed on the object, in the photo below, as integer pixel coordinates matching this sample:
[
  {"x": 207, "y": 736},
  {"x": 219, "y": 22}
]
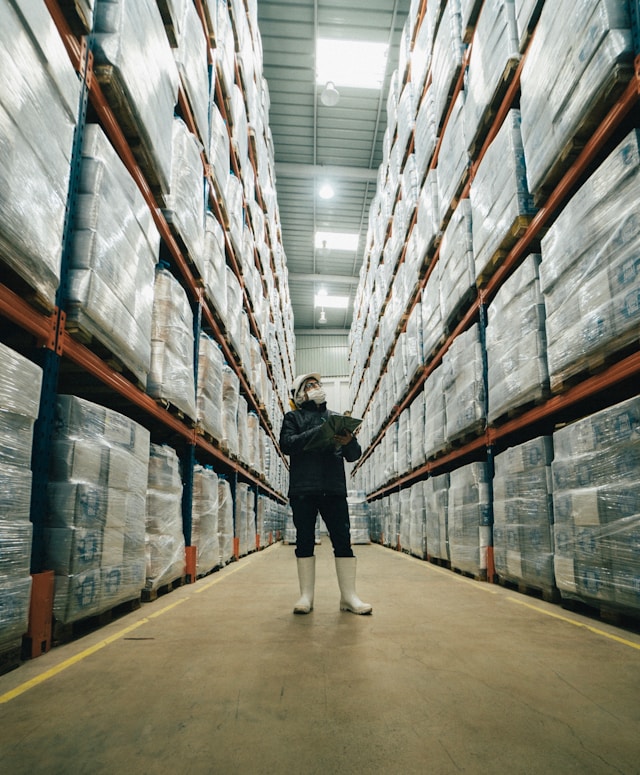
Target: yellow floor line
[
  {"x": 47, "y": 674},
  {"x": 595, "y": 630}
]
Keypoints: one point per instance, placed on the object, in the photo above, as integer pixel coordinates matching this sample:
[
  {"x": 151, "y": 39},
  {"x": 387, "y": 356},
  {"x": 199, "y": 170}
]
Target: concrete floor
[{"x": 449, "y": 675}]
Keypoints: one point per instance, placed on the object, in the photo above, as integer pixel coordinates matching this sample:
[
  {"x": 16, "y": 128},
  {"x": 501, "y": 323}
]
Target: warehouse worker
[{"x": 317, "y": 483}]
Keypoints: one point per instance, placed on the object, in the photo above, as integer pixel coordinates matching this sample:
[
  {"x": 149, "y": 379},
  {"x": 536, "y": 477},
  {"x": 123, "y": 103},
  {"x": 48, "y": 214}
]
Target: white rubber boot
[
  {"x": 349, "y": 601},
  {"x": 307, "y": 579}
]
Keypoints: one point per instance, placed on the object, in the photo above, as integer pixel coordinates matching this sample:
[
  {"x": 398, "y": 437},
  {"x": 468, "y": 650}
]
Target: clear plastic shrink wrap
[
  {"x": 96, "y": 509},
  {"x": 436, "y": 498},
  {"x": 39, "y": 98},
  {"x": 527, "y": 13},
  {"x": 191, "y": 59},
  {"x": 20, "y": 384},
  {"x": 427, "y": 225},
  {"x": 596, "y": 503},
  {"x": 215, "y": 265},
  {"x": 457, "y": 268},
  {"x": 243, "y": 430},
  {"x": 435, "y": 429},
  {"x": 209, "y": 395},
  {"x": 245, "y": 518},
  {"x": 494, "y": 55},
  {"x": 164, "y": 537},
  {"x": 590, "y": 275},
  {"x": 230, "y": 396},
  {"x": 500, "y": 202},
  {"x": 453, "y": 159},
  {"x": 469, "y": 518},
  {"x": 114, "y": 251},
  {"x": 523, "y": 514},
  {"x": 404, "y": 520},
  {"x": 417, "y": 528},
  {"x": 417, "y": 430},
  {"x": 516, "y": 343},
  {"x": 219, "y": 152},
  {"x": 185, "y": 204},
  {"x": 171, "y": 376},
  {"x": 469, "y": 10},
  {"x": 446, "y": 60},
  {"x": 464, "y": 385},
  {"x": 432, "y": 324},
  {"x": 225, "y": 520},
  {"x": 132, "y": 51},
  {"x": 575, "y": 56},
  {"x": 359, "y": 513}
]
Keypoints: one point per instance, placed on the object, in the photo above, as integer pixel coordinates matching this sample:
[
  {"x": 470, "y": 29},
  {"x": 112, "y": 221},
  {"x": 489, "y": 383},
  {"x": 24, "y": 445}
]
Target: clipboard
[{"x": 335, "y": 424}]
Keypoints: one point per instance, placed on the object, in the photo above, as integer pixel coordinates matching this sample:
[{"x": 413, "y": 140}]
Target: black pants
[{"x": 335, "y": 513}]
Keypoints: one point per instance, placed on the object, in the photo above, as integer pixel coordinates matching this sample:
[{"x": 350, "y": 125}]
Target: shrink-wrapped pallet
[
  {"x": 185, "y": 205},
  {"x": 417, "y": 527},
  {"x": 172, "y": 375},
  {"x": 446, "y": 60},
  {"x": 421, "y": 55},
  {"x": 494, "y": 57},
  {"x": 245, "y": 518},
  {"x": 191, "y": 59},
  {"x": 230, "y": 396},
  {"x": 209, "y": 392},
  {"x": 135, "y": 64},
  {"x": 359, "y": 517},
  {"x": 219, "y": 152},
  {"x": 114, "y": 250},
  {"x": 436, "y": 497},
  {"x": 464, "y": 386},
  {"x": 95, "y": 522},
  {"x": 580, "y": 50},
  {"x": 204, "y": 519},
  {"x": 20, "y": 384},
  {"x": 432, "y": 323},
  {"x": 457, "y": 267},
  {"x": 164, "y": 538},
  {"x": 527, "y": 13},
  {"x": 427, "y": 226},
  {"x": 435, "y": 413},
  {"x": 406, "y": 117},
  {"x": 453, "y": 160},
  {"x": 516, "y": 343},
  {"x": 215, "y": 265},
  {"x": 404, "y": 520},
  {"x": 596, "y": 503},
  {"x": 39, "y": 98},
  {"x": 225, "y": 520},
  {"x": 469, "y": 518},
  {"x": 523, "y": 514},
  {"x": 404, "y": 443},
  {"x": 243, "y": 430},
  {"x": 501, "y": 206},
  {"x": 417, "y": 430},
  {"x": 590, "y": 276}
]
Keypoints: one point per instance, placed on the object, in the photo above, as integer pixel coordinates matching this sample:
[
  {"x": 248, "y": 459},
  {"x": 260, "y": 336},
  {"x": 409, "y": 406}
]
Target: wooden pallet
[
  {"x": 603, "y": 610},
  {"x": 516, "y": 411},
  {"x": 479, "y": 575},
  {"x": 65, "y": 632},
  {"x": 610, "y": 91},
  {"x": 149, "y": 595},
  {"x": 488, "y": 119},
  {"x": 10, "y": 655},
  {"x": 548, "y": 594},
  {"x": 116, "y": 94},
  {"x": 517, "y": 229},
  {"x": 439, "y": 561},
  {"x": 594, "y": 363}
]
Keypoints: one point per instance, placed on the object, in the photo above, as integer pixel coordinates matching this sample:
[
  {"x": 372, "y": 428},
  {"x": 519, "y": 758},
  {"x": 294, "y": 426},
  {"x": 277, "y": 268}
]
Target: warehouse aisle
[{"x": 449, "y": 675}]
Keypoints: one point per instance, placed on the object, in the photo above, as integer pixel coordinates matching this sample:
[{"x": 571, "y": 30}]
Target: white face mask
[{"x": 317, "y": 395}]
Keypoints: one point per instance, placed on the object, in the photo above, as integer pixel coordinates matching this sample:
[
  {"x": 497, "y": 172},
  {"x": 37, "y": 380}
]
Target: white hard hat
[{"x": 298, "y": 382}]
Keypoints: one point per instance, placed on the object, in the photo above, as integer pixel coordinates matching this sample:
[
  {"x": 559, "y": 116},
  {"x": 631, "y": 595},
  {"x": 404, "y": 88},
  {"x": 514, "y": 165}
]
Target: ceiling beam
[
  {"x": 290, "y": 170},
  {"x": 323, "y": 278}
]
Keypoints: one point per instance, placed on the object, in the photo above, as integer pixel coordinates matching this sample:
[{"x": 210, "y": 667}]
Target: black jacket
[{"x": 314, "y": 470}]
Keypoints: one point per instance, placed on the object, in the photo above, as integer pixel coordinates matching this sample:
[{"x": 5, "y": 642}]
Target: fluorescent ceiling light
[
  {"x": 326, "y": 191},
  {"x": 352, "y": 63},
  {"x": 332, "y": 302},
  {"x": 331, "y": 240}
]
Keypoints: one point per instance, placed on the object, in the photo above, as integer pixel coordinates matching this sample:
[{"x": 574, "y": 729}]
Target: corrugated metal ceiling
[{"x": 309, "y": 138}]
